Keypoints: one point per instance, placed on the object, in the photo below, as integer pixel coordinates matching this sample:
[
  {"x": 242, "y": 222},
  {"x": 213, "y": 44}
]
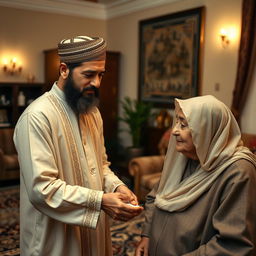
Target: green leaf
[{"x": 135, "y": 114}]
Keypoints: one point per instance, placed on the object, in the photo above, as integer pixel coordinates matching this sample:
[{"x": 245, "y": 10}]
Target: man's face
[
  {"x": 181, "y": 131},
  {"x": 82, "y": 85}
]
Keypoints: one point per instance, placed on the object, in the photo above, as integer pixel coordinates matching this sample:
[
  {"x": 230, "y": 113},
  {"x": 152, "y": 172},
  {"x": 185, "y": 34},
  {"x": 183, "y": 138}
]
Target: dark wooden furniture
[
  {"x": 152, "y": 139},
  {"x": 108, "y": 90},
  {"x": 10, "y": 107},
  {"x": 109, "y": 95},
  {"x": 9, "y": 165},
  {"x": 51, "y": 67}
]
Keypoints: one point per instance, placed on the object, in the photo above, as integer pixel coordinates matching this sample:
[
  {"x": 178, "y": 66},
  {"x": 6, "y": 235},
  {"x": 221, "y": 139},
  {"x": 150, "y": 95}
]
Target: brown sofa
[
  {"x": 146, "y": 170},
  {"x": 9, "y": 165}
]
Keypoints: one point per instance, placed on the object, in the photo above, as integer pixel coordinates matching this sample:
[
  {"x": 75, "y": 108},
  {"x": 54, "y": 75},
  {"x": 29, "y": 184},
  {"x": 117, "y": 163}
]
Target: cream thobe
[{"x": 64, "y": 172}]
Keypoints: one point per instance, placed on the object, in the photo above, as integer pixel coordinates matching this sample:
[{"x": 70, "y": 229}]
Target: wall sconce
[
  {"x": 224, "y": 38},
  {"x": 228, "y": 35},
  {"x": 12, "y": 67}
]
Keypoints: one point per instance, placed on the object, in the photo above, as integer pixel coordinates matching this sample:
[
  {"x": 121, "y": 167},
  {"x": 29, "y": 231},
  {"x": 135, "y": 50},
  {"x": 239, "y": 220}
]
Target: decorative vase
[{"x": 21, "y": 99}]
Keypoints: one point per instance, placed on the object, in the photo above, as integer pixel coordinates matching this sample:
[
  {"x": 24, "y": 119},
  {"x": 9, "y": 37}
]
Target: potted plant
[{"x": 135, "y": 115}]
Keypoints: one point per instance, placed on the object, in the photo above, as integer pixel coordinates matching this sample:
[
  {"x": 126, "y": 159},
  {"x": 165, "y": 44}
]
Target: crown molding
[
  {"x": 129, "y": 6},
  {"x": 66, "y": 7},
  {"x": 85, "y": 9}
]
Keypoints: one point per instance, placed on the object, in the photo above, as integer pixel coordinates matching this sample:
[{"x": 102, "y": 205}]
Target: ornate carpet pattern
[{"x": 125, "y": 236}]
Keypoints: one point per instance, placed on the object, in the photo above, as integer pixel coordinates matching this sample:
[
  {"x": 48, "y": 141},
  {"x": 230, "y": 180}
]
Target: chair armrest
[
  {"x": 140, "y": 166},
  {"x": 146, "y": 165}
]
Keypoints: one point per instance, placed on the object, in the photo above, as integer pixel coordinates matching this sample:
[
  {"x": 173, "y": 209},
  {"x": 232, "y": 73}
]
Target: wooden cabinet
[
  {"x": 51, "y": 67},
  {"x": 108, "y": 90},
  {"x": 10, "y": 109},
  {"x": 109, "y": 96}
]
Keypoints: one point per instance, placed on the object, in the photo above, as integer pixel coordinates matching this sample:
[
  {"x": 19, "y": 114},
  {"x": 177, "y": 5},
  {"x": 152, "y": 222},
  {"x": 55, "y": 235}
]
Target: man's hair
[{"x": 71, "y": 66}]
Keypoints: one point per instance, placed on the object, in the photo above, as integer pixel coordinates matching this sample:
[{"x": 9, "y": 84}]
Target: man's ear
[{"x": 64, "y": 70}]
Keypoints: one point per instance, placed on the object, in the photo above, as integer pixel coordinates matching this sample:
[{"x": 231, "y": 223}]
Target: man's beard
[{"x": 80, "y": 101}]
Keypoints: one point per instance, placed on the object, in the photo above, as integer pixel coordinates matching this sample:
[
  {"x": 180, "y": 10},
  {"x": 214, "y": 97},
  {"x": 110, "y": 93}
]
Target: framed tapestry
[{"x": 169, "y": 56}]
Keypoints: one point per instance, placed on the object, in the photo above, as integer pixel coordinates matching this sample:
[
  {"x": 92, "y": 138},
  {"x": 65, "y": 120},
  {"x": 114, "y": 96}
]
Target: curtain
[{"x": 246, "y": 57}]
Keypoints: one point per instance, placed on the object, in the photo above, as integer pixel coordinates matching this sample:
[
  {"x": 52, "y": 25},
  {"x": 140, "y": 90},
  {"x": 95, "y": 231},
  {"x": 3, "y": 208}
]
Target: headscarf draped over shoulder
[{"x": 217, "y": 139}]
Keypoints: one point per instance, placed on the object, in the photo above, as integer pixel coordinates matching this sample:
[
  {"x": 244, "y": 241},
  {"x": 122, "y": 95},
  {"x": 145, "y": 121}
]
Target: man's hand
[
  {"x": 126, "y": 191},
  {"x": 142, "y": 248},
  {"x": 114, "y": 204}
]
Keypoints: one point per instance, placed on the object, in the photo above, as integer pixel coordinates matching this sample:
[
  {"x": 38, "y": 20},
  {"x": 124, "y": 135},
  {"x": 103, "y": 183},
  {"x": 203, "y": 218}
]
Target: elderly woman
[{"x": 205, "y": 202}]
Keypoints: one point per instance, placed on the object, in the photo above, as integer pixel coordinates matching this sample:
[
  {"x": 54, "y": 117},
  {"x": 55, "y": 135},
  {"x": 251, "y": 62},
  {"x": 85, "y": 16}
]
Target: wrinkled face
[
  {"x": 181, "y": 131},
  {"x": 82, "y": 85}
]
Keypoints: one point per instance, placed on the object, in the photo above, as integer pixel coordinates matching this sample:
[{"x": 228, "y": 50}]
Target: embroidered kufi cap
[{"x": 81, "y": 49}]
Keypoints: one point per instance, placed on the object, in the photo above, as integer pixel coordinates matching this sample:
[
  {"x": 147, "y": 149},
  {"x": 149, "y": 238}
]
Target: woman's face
[{"x": 181, "y": 131}]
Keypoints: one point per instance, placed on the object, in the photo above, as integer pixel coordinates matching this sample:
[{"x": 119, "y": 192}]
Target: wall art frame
[{"x": 170, "y": 56}]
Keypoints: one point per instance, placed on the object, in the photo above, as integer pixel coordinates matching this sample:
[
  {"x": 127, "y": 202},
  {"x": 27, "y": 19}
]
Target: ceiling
[
  {"x": 105, "y": 1},
  {"x": 99, "y": 9}
]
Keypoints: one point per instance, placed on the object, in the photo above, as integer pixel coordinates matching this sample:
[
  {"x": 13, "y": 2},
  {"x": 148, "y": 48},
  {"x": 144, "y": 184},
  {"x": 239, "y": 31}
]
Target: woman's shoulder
[
  {"x": 241, "y": 169},
  {"x": 239, "y": 175}
]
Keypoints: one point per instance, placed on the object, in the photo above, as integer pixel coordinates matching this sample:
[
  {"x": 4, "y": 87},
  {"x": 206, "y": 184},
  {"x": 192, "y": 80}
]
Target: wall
[
  {"x": 219, "y": 65},
  {"x": 26, "y": 34}
]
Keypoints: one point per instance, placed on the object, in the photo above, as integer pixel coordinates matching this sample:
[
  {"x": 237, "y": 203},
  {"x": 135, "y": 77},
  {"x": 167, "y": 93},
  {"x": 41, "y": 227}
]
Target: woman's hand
[{"x": 142, "y": 248}]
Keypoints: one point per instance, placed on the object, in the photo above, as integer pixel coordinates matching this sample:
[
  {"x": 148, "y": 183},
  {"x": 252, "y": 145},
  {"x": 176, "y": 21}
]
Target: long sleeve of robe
[{"x": 64, "y": 173}]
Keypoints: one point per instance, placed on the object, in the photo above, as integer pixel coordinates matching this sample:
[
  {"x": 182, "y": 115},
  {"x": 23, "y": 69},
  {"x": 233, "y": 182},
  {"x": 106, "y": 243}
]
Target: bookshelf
[{"x": 10, "y": 109}]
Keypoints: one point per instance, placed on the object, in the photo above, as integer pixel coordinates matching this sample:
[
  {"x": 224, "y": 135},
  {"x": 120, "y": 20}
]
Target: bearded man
[{"x": 67, "y": 190}]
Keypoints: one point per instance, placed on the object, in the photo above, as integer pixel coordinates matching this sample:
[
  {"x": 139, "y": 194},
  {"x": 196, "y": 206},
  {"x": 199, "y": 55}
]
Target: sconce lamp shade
[
  {"x": 224, "y": 38},
  {"x": 228, "y": 35},
  {"x": 12, "y": 68}
]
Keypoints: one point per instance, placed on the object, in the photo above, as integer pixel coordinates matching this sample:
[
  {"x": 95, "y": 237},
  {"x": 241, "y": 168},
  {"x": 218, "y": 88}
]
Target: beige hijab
[{"x": 217, "y": 139}]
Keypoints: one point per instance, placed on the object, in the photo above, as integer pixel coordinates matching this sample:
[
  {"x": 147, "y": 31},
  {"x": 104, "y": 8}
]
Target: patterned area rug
[{"x": 125, "y": 236}]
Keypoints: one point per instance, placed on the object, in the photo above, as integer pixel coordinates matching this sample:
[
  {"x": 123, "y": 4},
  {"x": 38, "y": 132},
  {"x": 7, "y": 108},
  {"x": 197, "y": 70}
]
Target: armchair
[
  {"x": 146, "y": 170},
  {"x": 9, "y": 165}
]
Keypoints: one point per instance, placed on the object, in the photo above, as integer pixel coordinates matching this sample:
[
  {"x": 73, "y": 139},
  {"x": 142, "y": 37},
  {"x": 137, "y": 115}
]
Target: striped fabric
[{"x": 81, "y": 48}]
